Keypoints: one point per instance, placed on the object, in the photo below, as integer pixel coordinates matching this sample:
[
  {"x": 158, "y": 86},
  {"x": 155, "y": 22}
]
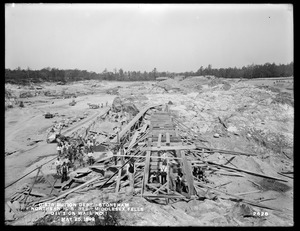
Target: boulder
[{"x": 216, "y": 135}]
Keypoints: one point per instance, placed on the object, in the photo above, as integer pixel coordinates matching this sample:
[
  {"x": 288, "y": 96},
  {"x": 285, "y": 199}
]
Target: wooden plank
[
  {"x": 10, "y": 205},
  {"x": 146, "y": 169},
  {"x": 31, "y": 172},
  {"x": 166, "y": 148},
  {"x": 162, "y": 121},
  {"x": 74, "y": 189},
  {"x": 168, "y": 177},
  {"x": 133, "y": 121},
  {"x": 118, "y": 180},
  {"x": 225, "y": 151},
  {"x": 285, "y": 175},
  {"x": 165, "y": 196},
  {"x": 241, "y": 198},
  {"x": 168, "y": 139},
  {"x": 163, "y": 126},
  {"x": 154, "y": 168},
  {"x": 144, "y": 127},
  {"x": 173, "y": 139},
  {"x": 159, "y": 140},
  {"x": 247, "y": 171},
  {"x": 245, "y": 193},
  {"x": 188, "y": 174},
  {"x": 157, "y": 190},
  {"x": 126, "y": 156},
  {"x": 155, "y": 133},
  {"x": 168, "y": 157},
  {"x": 35, "y": 193},
  {"x": 133, "y": 140},
  {"x": 32, "y": 184}
]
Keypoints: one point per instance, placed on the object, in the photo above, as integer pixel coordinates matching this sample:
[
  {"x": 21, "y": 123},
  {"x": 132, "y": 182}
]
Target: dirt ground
[{"x": 258, "y": 119}]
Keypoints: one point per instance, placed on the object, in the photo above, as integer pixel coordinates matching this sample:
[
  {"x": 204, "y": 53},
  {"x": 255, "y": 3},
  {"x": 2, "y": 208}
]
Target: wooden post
[
  {"x": 167, "y": 139},
  {"x": 147, "y": 163},
  {"x": 122, "y": 158},
  {"x": 159, "y": 140},
  {"x": 118, "y": 136},
  {"x": 12, "y": 207},
  {"x": 118, "y": 180},
  {"x": 168, "y": 181},
  {"x": 32, "y": 184},
  {"x": 188, "y": 173}
]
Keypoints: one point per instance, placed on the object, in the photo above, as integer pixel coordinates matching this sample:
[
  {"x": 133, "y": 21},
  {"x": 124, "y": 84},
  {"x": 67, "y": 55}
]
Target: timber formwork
[
  {"x": 163, "y": 138},
  {"x": 150, "y": 134}
]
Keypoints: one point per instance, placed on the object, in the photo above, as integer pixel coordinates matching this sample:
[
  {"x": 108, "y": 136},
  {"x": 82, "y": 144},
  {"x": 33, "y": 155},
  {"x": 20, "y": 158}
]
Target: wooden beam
[
  {"x": 188, "y": 174},
  {"x": 10, "y": 205},
  {"x": 241, "y": 198},
  {"x": 226, "y": 151},
  {"x": 155, "y": 132},
  {"x": 31, "y": 171},
  {"x": 133, "y": 140},
  {"x": 158, "y": 189},
  {"x": 168, "y": 139},
  {"x": 74, "y": 189},
  {"x": 165, "y": 196},
  {"x": 32, "y": 184},
  {"x": 285, "y": 175},
  {"x": 133, "y": 121},
  {"x": 146, "y": 169},
  {"x": 166, "y": 148},
  {"x": 144, "y": 127},
  {"x": 159, "y": 140},
  {"x": 246, "y": 171},
  {"x": 118, "y": 180},
  {"x": 245, "y": 193}
]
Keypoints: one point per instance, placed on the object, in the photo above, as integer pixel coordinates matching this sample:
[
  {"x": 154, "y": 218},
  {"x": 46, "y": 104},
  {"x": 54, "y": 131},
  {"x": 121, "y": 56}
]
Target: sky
[{"x": 141, "y": 37}]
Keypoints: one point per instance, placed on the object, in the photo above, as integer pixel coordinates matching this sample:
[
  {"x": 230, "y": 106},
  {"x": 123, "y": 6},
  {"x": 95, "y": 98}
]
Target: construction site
[{"x": 194, "y": 151}]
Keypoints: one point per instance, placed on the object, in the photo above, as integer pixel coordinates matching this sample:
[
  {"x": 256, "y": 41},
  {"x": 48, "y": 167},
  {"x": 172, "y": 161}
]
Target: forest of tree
[{"x": 20, "y": 76}]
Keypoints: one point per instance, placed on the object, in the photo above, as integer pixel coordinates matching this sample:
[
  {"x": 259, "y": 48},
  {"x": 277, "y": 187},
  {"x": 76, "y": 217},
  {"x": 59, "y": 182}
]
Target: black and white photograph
[{"x": 149, "y": 115}]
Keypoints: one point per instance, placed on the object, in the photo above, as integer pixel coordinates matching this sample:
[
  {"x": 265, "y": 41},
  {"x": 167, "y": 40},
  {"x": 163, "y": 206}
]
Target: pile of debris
[
  {"x": 119, "y": 105},
  {"x": 10, "y": 99},
  {"x": 113, "y": 91},
  {"x": 27, "y": 94}
]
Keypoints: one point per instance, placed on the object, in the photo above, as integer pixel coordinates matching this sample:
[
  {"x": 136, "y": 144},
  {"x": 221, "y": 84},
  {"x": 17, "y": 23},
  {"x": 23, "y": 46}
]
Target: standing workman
[
  {"x": 64, "y": 172},
  {"x": 91, "y": 159},
  {"x": 58, "y": 166},
  {"x": 173, "y": 175},
  {"x": 58, "y": 148},
  {"x": 88, "y": 146},
  {"x": 164, "y": 172},
  {"x": 94, "y": 139},
  {"x": 80, "y": 157},
  {"x": 130, "y": 171},
  {"x": 91, "y": 149}
]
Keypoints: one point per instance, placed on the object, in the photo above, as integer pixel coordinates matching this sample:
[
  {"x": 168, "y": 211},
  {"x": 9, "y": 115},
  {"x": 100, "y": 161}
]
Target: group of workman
[
  {"x": 70, "y": 156},
  {"x": 177, "y": 179}
]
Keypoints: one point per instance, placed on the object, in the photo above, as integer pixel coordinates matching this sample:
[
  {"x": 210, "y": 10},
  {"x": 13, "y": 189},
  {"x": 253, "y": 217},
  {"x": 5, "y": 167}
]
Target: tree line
[
  {"x": 267, "y": 70},
  {"x": 27, "y": 76}
]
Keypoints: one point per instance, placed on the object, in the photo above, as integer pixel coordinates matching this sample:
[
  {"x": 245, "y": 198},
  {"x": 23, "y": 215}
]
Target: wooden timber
[
  {"x": 169, "y": 148},
  {"x": 132, "y": 122}
]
